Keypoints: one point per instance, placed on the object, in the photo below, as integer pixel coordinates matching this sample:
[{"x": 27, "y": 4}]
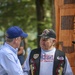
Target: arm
[
  {"x": 21, "y": 48},
  {"x": 67, "y": 69},
  {"x": 20, "y": 51},
  {"x": 11, "y": 65},
  {"x": 26, "y": 66}
]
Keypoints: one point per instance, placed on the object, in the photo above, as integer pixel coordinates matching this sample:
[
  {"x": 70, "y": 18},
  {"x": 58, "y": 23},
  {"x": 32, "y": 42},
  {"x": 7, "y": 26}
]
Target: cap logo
[{"x": 45, "y": 32}]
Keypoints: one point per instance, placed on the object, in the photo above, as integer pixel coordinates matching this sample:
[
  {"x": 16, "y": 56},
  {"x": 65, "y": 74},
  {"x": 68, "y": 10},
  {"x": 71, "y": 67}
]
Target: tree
[
  {"x": 33, "y": 16},
  {"x": 44, "y": 21}
]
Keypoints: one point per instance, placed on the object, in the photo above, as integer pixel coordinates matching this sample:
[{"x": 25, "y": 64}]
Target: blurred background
[{"x": 33, "y": 16}]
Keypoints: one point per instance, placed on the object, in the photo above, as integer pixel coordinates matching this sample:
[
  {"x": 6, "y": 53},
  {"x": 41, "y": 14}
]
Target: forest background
[{"x": 33, "y": 16}]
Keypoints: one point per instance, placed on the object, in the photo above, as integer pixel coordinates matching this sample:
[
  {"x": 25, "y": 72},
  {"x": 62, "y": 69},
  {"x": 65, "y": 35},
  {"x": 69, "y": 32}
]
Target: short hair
[{"x": 7, "y": 39}]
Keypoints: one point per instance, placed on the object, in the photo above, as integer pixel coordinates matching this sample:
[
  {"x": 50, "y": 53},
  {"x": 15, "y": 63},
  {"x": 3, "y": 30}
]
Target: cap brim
[
  {"x": 43, "y": 36},
  {"x": 24, "y": 35}
]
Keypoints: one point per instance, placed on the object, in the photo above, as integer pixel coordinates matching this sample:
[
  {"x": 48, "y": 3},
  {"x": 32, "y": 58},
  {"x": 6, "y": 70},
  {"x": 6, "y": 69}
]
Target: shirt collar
[
  {"x": 11, "y": 48},
  {"x": 48, "y": 50}
]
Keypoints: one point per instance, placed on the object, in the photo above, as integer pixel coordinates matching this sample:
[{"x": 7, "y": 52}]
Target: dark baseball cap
[
  {"x": 48, "y": 33},
  {"x": 14, "y": 32}
]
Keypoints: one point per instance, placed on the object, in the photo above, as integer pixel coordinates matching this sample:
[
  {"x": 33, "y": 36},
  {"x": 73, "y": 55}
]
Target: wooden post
[{"x": 65, "y": 28}]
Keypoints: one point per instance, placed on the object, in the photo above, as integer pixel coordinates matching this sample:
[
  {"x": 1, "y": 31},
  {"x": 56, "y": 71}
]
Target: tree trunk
[{"x": 40, "y": 17}]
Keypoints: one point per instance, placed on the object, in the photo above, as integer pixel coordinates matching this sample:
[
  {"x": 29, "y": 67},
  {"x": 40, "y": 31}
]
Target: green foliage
[
  {"x": 17, "y": 12},
  {"x": 23, "y": 13}
]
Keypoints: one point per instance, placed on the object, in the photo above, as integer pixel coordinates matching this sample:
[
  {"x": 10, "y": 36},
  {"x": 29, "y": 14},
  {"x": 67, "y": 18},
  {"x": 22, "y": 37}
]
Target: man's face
[
  {"x": 46, "y": 44},
  {"x": 18, "y": 41}
]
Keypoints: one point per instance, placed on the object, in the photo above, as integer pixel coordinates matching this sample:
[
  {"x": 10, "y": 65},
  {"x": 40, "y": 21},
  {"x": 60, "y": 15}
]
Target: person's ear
[{"x": 54, "y": 41}]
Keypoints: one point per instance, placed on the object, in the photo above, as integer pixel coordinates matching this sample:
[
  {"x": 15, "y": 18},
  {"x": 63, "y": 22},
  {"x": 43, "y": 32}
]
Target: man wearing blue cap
[
  {"x": 47, "y": 60},
  {"x": 9, "y": 62}
]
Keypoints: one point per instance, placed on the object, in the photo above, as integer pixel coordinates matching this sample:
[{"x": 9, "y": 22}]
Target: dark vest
[{"x": 34, "y": 62}]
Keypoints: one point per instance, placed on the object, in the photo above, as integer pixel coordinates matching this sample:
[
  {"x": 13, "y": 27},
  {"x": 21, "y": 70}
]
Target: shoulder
[
  {"x": 3, "y": 51},
  {"x": 59, "y": 52},
  {"x": 36, "y": 50},
  {"x": 6, "y": 52}
]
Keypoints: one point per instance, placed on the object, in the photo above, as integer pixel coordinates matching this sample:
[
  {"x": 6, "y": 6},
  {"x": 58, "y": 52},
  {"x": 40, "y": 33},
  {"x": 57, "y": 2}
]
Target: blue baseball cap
[{"x": 14, "y": 32}]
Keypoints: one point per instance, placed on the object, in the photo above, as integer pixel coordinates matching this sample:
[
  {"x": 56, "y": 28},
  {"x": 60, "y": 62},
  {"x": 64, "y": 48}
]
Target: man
[
  {"x": 47, "y": 60},
  {"x": 9, "y": 62}
]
